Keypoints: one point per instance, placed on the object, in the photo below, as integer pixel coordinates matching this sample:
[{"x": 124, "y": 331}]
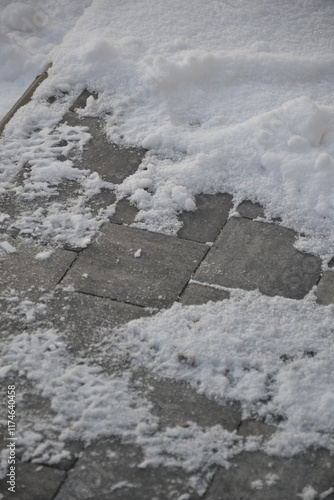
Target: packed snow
[{"x": 227, "y": 96}]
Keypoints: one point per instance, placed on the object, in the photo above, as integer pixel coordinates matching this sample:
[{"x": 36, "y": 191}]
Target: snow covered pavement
[
  {"x": 236, "y": 364},
  {"x": 166, "y": 251}
]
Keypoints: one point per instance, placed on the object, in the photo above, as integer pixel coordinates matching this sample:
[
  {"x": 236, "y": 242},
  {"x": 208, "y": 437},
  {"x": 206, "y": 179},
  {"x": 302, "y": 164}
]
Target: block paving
[{"x": 121, "y": 274}]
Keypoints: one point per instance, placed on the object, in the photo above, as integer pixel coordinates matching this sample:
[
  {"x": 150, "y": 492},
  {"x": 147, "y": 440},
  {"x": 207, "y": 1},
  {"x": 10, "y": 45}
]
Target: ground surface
[{"x": 127, "y": 273}]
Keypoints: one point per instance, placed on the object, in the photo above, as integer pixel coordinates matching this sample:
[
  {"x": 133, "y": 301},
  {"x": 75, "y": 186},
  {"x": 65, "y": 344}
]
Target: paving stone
[
  {"x": 82, "y": 319},
  {"x": 33, "y": 408},
  {"x": 204, "y": 224},
  {"x": 254, "y": 428},
  {"x": 81, "y": 101},
  {"x": 14, "y": 207},
  {"x": 103, "y": 199},
  {"x": 250, "y": 255},
  {"x": 176, "y": 403},
  {"x": 33, "y": 481},
  {"x": 279, "y": 478},
  {"x": 111, "y": 470},
  {"x": 21, "y": 271},
  {"x": 112, "y": 162},
  {"x": 125, "y": 213},
  {"x": 109, "y": 268},
  {"x": 325, "y": 289},
  {"x": 250, "y": 210},
  {"x": 196, "y": 294},
  {"x": 9, "y": 322}
]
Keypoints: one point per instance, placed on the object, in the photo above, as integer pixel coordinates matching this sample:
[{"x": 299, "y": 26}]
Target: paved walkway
[{"x": 122, "y": 275}]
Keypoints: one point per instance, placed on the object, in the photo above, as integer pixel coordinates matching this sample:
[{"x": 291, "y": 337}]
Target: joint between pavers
[
  {"x": 209, "y": 483},
  {"x": 62, "y": 482},
  {"x": 69, "y": 267},
  {"x": 66, "y": 477},
  {"x": 320, "y": 278},
  {"x": 194, "y": 271},
  {"x": 116, "y": 301}
]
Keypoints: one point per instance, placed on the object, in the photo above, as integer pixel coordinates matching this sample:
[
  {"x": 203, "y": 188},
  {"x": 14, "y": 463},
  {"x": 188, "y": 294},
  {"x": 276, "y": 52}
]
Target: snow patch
[{"x": 7, "y": 247}]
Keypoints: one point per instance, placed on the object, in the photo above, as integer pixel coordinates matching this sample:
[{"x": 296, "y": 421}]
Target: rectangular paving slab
[
  {"x": 325, "y": 290},
  {"x": 177, "y": 403},
  {"x": 250, "y": 210},
  {"x": 136, "y": 266},
  {"x": 251, "y": 255},
  {"x": 30, "y": 269},
  {"x": 196, "y": 294},
  {"x": 206, "y": 221},
  {"x": 109, "y": 470},
  {"x": 33, "y": 482},
  {"x": 257, "y": 476},
  {"x": 113, "y": 163},
  {"x": 82, "y": 318}
]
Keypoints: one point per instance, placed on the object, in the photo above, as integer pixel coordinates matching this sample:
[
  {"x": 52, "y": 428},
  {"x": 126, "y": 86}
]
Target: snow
[
  {"x": 308, "y": 493},
  {"x": 110, "y": 400},
  {"x": 7, "y": 247},
  {"x": 279, "y": 369},
  {"x": 255, "y": 120},
  {"x": 29, "y": 32},
  {"x": 231, "y": 96},
  {"x": 43, "y": 255},
  {"x": 257, "y": 484},
  {"x": 326, "y": 493},
  {"x": 137, "y": 253}
]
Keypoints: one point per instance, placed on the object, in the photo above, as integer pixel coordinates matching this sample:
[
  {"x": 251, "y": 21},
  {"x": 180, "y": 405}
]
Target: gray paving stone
[
  {"x": 196, "y": 294},
  {"x": 103, "y": 199},
  {"x": 254, "y": 428},
  {"x": 176, "y": 403},
  {"x": 112, "y": 162},
  {"x": 33, "y": 408},
  {"x": 279, "y": 478},
  {"x": 325, "y": 289},
  {"x": 109, "y": 268},
  {"x": 25, "y": 274},
  {"x": 204, "y": 224},
  {"x": 34, "y": 482},
  {"x": 9, "y": 323},
  {"x": 250, "y": 255},
  {"x": 250, "y": 210},
  {"x": 111, "y": 470},
  {"x": 81, "y": 101},
  {"x": 82, "y": 318},
  {"x": 125, "y": 213}
]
